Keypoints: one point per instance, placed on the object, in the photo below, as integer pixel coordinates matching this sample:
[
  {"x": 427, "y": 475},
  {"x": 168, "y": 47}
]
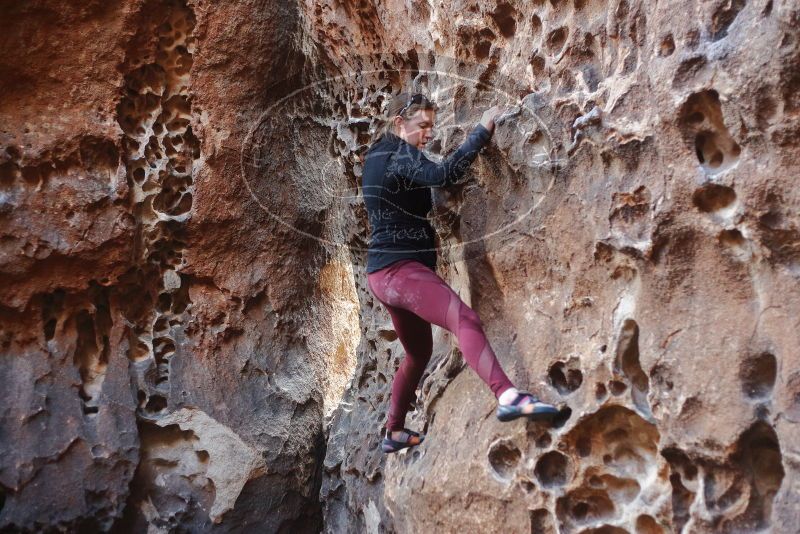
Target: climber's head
[{"x": 411, "y": 118}]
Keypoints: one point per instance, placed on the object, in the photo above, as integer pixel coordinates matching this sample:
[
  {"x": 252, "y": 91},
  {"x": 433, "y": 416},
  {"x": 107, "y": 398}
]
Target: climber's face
[{"x": 416, "y": 130}]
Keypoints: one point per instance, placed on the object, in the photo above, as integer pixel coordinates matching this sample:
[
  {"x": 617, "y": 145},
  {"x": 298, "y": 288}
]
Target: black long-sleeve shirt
[{"x": 396, "y": 183}]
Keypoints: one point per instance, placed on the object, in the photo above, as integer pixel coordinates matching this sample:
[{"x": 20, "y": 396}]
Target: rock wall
[
  {"x": 183, "y": 300},
  {"x": 160, "y": 361},
  {"x": 630, "y": 241}
]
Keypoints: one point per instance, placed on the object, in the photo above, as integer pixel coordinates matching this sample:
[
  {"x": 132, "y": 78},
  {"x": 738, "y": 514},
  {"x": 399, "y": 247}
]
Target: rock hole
[
  {"x": 139, "y": 351},
  {"x": 621, "y": 490},
  {"x": 98, "y": 155},
  {"x": 703, "y": 124},
  {"x": 771, "y": 220},
  {"x": 580, "y": 511},
  {"x": 757, "y": 374},
  {"x": 695, "y": 118},
  {"x": 541, "y": 521},
  {"x": 708, "y": 151},
  {"x": 766, "y": 110},
  {"x": 627, "y": 361},
  {"x": 661, "y": 375},
  {"x": 735, "y": 242},
  {"x": 482, "y": 49},
  {"x": 584, "y": 506},
  {"x": 504, "y": 457},
  {"x": 388, "y": 334},
  {"x": 556, "y": 40},
  {"x": 504, "y": 16},
  {"x": 156, "y": 404},
  {"x": 564, "y": 380},
  {"x": 682, "y": 498},
  {"x": 617, "y": 387},
  {"x": 13, "y": 153},
  {"x": 713, "y": 197},
  {"x": 723, "y": 17},
  {"x": 50, "y": 329},
  {"x": 537, "y": 64},
  {"x": 92, "y": 349},
  {"x": 139, "y": 175},
  {"x": 584, "y": 446},
  {"x": 164, "y": 302},
  {"x": 536, "y": 26},
  {"x": 562, "y": 417},
  {"x": 722, "y": 489},
  {"x": 8, "y": 173},
  {"x": 161, "y": 324},
  {"x": 600, "y": 391},
  {"x": 553, "y": 469},
  {"x": 31, "y": 175},
  {"x": 619, "y": 448},
  {"x": 163, "y": 348},
  {"x": 667, "y": 46},
  {"x": 760, "y": 462},
  {"x": 544, "y": 441}
]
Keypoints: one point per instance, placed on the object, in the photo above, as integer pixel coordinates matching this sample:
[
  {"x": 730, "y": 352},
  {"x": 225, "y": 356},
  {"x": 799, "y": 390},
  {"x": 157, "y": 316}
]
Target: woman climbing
[{"x": 401, "y": 261}]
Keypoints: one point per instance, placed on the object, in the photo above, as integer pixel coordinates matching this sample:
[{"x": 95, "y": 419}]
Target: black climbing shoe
[
  {"x": 391, "y": 445},
  {"x": 541, "y": 410}
]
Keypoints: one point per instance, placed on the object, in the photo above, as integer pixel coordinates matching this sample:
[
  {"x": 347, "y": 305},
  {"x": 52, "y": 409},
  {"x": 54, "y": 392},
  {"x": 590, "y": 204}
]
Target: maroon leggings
[{"x": 415, "y": 297}]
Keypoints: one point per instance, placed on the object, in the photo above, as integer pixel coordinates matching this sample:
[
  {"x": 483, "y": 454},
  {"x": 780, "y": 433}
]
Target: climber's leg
[
  {"x": 415, "y": 335},
  {"x": 412, "y": 286}
]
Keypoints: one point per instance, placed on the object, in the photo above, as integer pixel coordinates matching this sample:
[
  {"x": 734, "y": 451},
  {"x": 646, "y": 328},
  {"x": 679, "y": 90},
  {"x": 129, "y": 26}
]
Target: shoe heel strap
[{"x": 522, "y": 395}]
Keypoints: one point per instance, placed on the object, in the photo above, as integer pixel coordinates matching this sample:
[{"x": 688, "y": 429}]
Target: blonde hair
[{"x": 404, "y": 105}]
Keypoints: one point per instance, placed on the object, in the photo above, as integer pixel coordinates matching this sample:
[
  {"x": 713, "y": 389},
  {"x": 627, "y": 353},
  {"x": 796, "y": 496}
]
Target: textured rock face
[
  {"x": 182, "y": 286},
  {"x": 632, "y": 248},
  {"x": 159, "y": 365}
]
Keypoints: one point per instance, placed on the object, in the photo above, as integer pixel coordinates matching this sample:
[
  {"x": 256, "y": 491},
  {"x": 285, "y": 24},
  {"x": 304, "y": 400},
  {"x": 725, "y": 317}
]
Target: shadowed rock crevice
[
  {"x": 627, "y": 363},
  {"x": 683, "y": 473},
  {"x": 541, "y": 521},
  {"x": 758, "y": 374},
  {"x": 92, "y": 348},
  {"x": 740, "y": 494}
]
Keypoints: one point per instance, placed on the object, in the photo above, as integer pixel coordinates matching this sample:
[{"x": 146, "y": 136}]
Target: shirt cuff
[{"x": 483, "y": 134}]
